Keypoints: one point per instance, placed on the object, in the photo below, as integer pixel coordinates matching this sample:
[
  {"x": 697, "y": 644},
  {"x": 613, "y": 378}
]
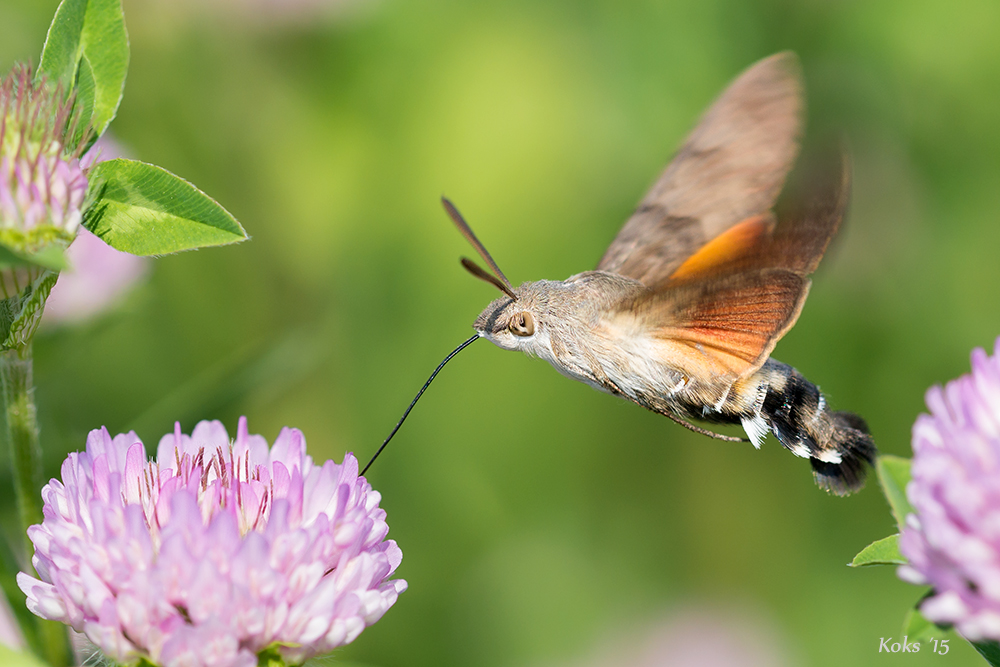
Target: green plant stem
[
  {"x": 26, "y": 455},
  {"x": 22, "y": 433}
]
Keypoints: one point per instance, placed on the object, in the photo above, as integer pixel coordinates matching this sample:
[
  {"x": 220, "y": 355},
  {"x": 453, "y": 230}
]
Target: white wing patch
[
  {"x": 756, "y": 428},
  {"x": 829, "y": 456},
  {"x": 800, "y": 450}
]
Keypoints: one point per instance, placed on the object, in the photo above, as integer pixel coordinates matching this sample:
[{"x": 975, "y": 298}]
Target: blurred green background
[{"x": 538, "y": 518}]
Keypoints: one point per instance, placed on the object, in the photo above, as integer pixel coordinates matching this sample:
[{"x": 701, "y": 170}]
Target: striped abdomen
[
  {"x": 777, "y": 398},
  {"x": 774, "y": 399}
]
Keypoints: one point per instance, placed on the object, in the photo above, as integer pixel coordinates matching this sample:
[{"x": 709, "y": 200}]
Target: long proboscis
[
  {"x": 417, "y": 397},
  {"x": 467, "y": 232}
]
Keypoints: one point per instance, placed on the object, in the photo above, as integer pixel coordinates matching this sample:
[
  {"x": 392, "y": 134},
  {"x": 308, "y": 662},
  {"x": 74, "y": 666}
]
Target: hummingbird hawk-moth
[{"x": 683, "y": 310}]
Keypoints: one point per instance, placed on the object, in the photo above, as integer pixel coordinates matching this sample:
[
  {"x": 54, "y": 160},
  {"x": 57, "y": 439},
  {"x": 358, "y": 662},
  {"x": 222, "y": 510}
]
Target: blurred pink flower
[
  {"x": 213, "y": 552},
  {"x": 98, "y": 277},
  {"x": 10, "y": 631},
  {"x": 699, "y": 636},
  {"x": 952, "y": 542}
]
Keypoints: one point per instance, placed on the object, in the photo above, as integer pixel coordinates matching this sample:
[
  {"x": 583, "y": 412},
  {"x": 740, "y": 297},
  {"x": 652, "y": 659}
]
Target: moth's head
[{"x": 515, "y": 323}]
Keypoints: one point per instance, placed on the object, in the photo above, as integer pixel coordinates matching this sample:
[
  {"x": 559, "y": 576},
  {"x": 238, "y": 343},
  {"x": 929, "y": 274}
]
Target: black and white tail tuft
[
  {"x": 837, "y": 444},
  {"x": 851, "y": 439}
]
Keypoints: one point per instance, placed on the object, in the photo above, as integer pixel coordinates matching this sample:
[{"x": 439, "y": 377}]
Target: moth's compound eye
[{"x": 522, "y": 324}]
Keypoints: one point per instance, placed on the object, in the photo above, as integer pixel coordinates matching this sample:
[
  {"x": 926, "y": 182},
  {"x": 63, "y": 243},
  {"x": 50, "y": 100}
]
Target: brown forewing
[
  {"x": 732, "y": 167},
  {"x": 807, "y": 220},
  {"x": 728, "y": 326},
  {"x": 726, "y": 307}
]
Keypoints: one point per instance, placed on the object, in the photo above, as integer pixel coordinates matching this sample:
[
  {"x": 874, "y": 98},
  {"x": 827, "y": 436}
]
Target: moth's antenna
[
  {"x": 417, "y": 397},
  {"x": 463, "y": 227},
  {"x": 483, "y": 274}
]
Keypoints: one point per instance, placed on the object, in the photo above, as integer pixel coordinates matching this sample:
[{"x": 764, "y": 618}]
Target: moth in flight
[
  {"x": 685, "y": 307},
  {"x": 683, "y": 310}
]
